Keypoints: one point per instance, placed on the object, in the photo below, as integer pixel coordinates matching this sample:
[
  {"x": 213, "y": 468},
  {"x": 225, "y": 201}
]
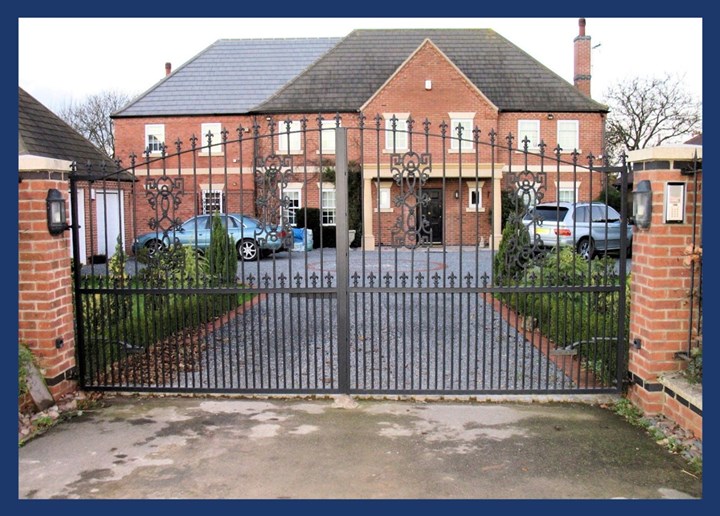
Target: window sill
[
  {"x": 297, "y": 152},
  {"x": 397, "y": 151},
  {"x": 475, "y": 210},
  {"x": 464, "y": 151},
  {"x": 214, "y": 154},
  {"x": 326, "y": 152},
  {"x": 384, "y": 210}
]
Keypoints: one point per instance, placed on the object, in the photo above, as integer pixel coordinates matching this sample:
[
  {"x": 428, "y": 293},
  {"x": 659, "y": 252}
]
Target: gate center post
[{"x": 342, "y": 258}]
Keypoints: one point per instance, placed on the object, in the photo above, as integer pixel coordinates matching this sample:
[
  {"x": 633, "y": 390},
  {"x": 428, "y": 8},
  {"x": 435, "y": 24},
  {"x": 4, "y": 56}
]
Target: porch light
[
  {"x": 56, "y": 212},
  {"x": 642, "y": 204}
]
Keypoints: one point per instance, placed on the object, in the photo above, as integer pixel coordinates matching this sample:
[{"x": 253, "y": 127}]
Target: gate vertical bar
[
  {"x": 622, "y": 305},
  {"x": 79, "y": 323},
  {"x": 342, "y": 258}
]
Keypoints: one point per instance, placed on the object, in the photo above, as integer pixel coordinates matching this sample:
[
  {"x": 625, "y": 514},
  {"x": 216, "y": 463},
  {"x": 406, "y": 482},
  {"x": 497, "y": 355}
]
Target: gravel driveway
[{"x": 398, "y": 341}]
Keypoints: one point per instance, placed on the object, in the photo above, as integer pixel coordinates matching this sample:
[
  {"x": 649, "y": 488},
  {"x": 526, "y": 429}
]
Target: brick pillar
[
  {"x": 45, "y": 299},
  {"x": 660, "y": 282}
]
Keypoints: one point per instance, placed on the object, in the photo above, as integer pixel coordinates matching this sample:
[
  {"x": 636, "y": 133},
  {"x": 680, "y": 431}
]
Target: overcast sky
[{"x": 65, "y": 59}]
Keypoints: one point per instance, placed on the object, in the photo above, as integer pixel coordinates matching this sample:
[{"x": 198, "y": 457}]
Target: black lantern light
[
  {"x": 56, "y": 212},
  {"x": 642, "y": 204}
]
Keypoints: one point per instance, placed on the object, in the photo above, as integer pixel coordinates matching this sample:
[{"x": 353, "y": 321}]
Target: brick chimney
[
  {"x": 582, "y": 60},
  {"x": 168, "y": 69}
]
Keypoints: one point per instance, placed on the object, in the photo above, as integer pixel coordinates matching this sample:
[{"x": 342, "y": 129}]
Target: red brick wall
[
  {"x": 451, "y": 92},
  {"x": 660, "y": 308},
  {"x": 475, "y": 225},
  {"x": 45, "y": 305}
]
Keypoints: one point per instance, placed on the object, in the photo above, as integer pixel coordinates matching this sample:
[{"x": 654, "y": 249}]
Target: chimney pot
[
  {"x": 581, "y": 23},
  {"x": 168, "y": 69}
]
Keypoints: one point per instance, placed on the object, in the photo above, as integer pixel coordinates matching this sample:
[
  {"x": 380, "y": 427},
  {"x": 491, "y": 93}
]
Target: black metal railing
[{"x": 436, "y": 299}]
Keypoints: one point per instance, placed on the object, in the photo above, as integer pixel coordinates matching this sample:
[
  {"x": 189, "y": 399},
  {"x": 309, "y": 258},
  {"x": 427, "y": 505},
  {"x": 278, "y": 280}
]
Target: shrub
[
  {"x": 587, "y": 320},
  {"x": 221, "y": 255},
  {"x": 514, "y": 253},
  {"x": 25, "y": 361}
]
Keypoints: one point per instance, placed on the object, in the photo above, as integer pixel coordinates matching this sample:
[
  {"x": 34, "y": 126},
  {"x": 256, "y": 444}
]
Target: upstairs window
[
  {"x": 529, "y": 129},
  {"x": 465, "y": 122},
  {"x": 396, "y": 139},
  {"x": 154, "y": 138},
  {"x": 328, "y": 136},
  {"x": 215, "y": 129},
  {"x": 568, "y": 135},
  {"x": 289, "y": 140}
]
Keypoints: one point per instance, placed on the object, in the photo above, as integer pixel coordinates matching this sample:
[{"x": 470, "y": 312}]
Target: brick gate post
[
  {"x": 660, "y": 313},
  {"x": 45, "y": 298}
]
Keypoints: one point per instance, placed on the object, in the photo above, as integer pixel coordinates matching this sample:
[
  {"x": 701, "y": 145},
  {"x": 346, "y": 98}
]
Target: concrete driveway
[{"x": 339, "y": 448}]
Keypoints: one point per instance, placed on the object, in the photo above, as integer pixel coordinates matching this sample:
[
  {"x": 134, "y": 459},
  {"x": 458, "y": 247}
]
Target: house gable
[{"x": 429, "y": 85}]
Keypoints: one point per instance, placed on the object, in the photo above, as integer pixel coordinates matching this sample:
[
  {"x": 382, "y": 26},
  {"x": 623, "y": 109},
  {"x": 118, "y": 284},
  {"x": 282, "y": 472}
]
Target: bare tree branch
[
  {"x": 91, "y": 118},
  {"x": 648, "y": 112}
]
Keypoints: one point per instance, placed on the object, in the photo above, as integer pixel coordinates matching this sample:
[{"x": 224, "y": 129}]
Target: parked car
[
  {"x": 590, "y": 228},
  {"x": 252, "y": 238}
]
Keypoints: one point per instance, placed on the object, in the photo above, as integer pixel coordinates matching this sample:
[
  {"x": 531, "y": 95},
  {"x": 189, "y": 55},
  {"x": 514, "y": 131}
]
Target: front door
[{"x": 433, "y": 214}]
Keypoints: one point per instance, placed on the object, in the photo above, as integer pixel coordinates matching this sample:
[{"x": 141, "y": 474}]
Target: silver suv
[{"x": 591, "y": 228}]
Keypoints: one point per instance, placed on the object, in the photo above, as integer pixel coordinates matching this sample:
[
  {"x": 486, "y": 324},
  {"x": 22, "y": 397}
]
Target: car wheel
[
  {"x": 153, "y": 246},
  {"x": 248, "y": 250},
  {"x": 586, "y": 248}
]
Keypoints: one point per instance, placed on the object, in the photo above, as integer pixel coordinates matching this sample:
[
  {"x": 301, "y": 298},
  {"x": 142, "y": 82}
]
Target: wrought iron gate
[{"x": 376, "y": 261}]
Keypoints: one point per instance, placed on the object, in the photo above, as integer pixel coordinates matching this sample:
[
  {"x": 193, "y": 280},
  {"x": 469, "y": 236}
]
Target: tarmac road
[{"x": 340, "y": 448}]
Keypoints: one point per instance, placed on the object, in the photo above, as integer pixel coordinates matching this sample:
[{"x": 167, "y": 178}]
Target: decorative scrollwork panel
[{"x": 410, "y": 172}]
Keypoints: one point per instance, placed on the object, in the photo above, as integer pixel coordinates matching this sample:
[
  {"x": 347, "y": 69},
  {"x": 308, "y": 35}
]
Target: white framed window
[
  {"x": 213, "y": 201},
  {"x": 154, "y": 138},
  {"x": 215, "y": 129},
  {"x": 289, "y": 142},
  {"x": 293, "y": 198},
  {"x": 327, "y": 136},
  {"x": 384, "y": 199},
  {"x": 529, "y": 129},
  {"x": 328, "y": 208},
  {"x": 475, "y": 196},
  {"x": 568, "y": 135},
  {"x": 396, "y": 139},
  {"x": 567, "y": 191},
  {"x": 465, "y": 121}
]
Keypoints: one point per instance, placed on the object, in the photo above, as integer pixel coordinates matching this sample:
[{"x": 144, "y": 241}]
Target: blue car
[{"x": 252, "y": 238}]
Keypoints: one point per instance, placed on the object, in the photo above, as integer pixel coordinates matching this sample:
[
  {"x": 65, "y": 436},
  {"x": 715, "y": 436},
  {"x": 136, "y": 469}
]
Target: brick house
[{"x": 441, "y": 80}]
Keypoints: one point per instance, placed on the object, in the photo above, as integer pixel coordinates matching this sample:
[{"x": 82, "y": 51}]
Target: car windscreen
[{"x": 549, "y": 213}]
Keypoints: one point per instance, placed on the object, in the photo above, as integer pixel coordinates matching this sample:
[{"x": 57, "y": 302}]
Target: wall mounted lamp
[
  {"x": 550, "y": 116},
  {"x": 642, "y": 204},
  {"x": 457, "y": 194},
  {"x": 56, "y": 212}
]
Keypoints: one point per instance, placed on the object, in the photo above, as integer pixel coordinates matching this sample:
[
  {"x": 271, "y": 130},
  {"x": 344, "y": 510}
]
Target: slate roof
[
  {"x": 231, "y": 76},
  {"x": 42, "y": 133},
  {"x": 695, "y": 140},
  {"x": 349, "y": 74}
]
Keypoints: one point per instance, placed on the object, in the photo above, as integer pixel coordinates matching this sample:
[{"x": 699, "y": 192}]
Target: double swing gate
[{"x": 364, "y": 259}]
